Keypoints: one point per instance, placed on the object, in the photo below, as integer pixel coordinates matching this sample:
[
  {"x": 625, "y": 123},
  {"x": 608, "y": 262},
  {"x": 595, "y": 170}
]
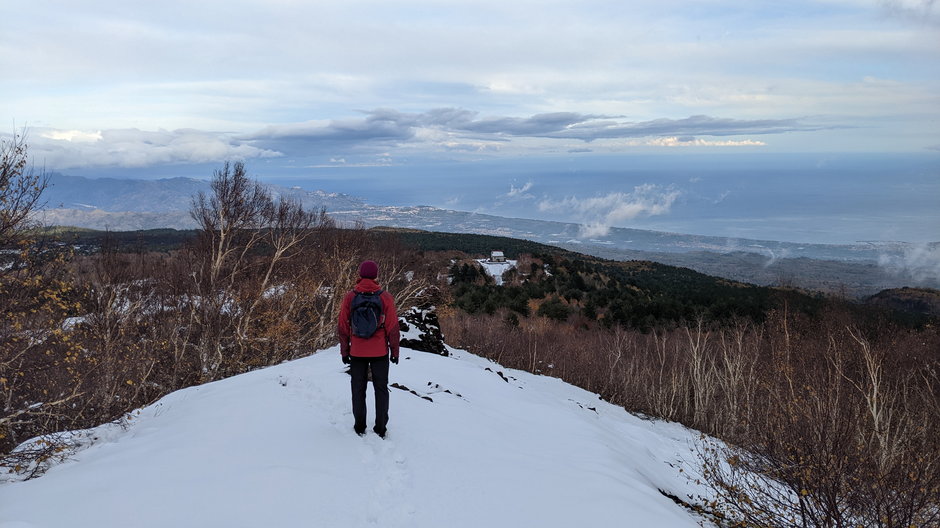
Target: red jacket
[{"x": 384, "y": 340}]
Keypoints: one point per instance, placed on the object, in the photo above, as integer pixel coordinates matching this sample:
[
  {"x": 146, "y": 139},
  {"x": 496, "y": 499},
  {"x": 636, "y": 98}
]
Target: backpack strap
[{"x": 382, "y": 303}]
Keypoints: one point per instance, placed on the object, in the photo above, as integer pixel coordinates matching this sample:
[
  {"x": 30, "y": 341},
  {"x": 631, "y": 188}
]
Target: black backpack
[{"x": 366, "y": 314}]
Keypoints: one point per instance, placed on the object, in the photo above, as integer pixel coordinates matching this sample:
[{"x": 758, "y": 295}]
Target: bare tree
[
  {"x": 260, "y": 267},
  {"x": 287, "y": 227},
  {"x": 231, "y": 221},
  {"x": 20, "y": 189}
]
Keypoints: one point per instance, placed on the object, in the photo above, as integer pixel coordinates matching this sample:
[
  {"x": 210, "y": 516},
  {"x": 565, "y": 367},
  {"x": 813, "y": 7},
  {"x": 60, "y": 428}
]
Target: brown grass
[{"x": 825, "y": 424}]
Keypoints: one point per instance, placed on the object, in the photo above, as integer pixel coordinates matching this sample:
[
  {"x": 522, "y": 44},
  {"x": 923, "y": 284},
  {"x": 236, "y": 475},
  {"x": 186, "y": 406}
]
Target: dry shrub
[
  {"x": 848, "y": 435},
  {"x": 826, "y": 425},
  {"x": 260, "y": 284},
  {"x": 36, "y": 387}
]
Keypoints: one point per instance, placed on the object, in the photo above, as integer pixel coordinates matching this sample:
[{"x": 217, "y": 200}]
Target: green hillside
[{"x": 553, "y": 282}]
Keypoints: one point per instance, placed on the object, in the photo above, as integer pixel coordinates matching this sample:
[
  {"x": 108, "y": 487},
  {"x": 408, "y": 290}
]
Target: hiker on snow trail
[{"x": 368, "y": 331}]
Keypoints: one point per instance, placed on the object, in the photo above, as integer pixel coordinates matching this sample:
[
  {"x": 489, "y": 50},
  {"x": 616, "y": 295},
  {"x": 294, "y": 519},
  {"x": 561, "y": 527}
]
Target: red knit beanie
[{"x": 368, "y": 270}]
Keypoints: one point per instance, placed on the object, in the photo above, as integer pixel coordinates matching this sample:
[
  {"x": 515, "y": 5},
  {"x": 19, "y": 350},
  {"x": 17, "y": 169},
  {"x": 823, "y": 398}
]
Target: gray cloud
[
  {"x": 918, "y": 10},
  {"x": 381, "y": 126},
  {"x": 699, "y": 125},
  {"x": 386, "y": 125},
  {"x": 537, "y": 125},
  {"x": 390, "y": 126},
  {"x": 58, "y": 149},
  {"x": 384, "y": 130},
  {"x": 448, "y": 117},
  {"x": 588, "y": 127}
]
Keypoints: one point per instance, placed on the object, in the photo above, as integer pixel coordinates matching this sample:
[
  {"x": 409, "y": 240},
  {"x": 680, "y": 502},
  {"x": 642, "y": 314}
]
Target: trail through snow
[{"x": 470, "y": 444}]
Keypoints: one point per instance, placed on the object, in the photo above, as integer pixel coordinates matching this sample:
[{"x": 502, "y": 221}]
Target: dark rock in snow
[
  {"x": 421, "y": 330},
  {"x": 406, "y": 389}
]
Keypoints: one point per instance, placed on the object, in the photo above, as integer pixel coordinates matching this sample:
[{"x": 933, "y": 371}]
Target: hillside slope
[
  {"x": 473, "y": 445},
  {"x": 924, "y": 301}
]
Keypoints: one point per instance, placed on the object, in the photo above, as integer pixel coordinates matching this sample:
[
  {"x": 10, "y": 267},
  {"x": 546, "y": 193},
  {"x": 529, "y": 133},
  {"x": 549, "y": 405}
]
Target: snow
[
  {"x": 275, "y": 447},
  {"x": 71, "y": 322},
  {"x": 496, "y": 269},
  {"x": 275, "y": 291}
]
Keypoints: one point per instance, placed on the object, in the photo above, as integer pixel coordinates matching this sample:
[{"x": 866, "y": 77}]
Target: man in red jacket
[{"x": 371, "y": 353}]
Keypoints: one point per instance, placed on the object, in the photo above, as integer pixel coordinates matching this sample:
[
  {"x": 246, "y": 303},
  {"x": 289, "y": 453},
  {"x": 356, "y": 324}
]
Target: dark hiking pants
[{"x": 359, "y": 370}]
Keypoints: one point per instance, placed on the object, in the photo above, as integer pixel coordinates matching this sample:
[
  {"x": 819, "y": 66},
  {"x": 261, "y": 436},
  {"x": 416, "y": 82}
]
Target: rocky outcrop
[{"x": 421, "y": 330}]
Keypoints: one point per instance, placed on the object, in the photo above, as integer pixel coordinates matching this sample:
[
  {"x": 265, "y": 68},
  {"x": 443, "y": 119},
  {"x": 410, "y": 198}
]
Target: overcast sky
[{"x": 142, "y": 83}]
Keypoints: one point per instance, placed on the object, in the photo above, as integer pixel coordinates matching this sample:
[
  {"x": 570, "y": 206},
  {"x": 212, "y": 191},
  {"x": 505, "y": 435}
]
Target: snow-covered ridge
[{"x": 470, "y": 444}]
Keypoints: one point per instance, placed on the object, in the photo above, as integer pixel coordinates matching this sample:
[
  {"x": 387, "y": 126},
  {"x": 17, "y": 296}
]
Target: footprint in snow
[{"x": 392, "y": 480}]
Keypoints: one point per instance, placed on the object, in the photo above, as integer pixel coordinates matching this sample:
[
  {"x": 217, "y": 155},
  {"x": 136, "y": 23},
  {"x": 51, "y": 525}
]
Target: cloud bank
[
  {"x": 387, "y": 124},
  {"x": 598, "y": 214},
  {"x": 360, "y": 139},
  {"x": 58, "y": 150},
  {"x": 920, "y": 261}
]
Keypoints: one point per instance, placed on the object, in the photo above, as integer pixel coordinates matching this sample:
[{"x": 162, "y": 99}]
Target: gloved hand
[
  {"x": 395, "y": 359},
  {"x": 346, "y": 359}
]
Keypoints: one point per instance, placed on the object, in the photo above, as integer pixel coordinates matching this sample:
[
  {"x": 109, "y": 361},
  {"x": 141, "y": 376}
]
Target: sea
[
  {"x": 841, "y": 198},
  {"x": 806, "y": 198}
]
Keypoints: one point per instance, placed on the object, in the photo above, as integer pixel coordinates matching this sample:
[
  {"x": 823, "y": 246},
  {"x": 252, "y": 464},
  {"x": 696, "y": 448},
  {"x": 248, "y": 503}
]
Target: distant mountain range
[
  {"x": 168, "y": 195},
  {"x": 860, "y": 269}
]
